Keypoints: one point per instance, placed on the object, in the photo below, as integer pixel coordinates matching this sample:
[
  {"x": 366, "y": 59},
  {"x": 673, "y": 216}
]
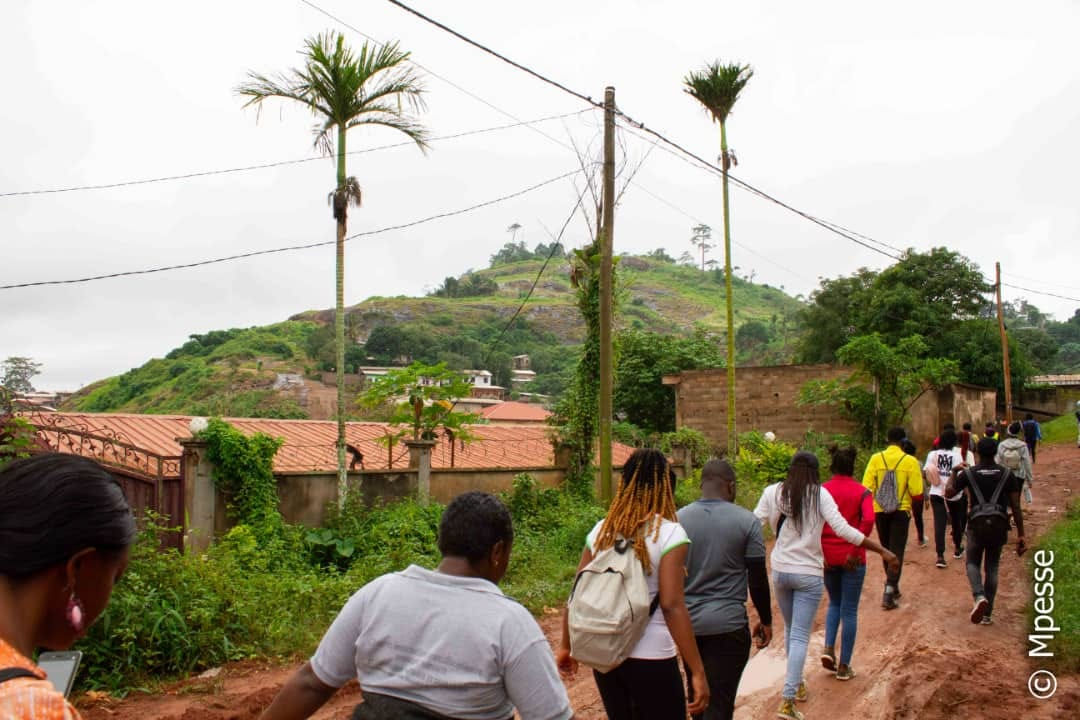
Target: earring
[{"x": 75, "y": 614}]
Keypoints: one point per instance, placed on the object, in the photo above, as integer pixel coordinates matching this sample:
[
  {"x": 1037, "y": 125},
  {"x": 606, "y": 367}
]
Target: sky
[{"x": 921, "y": 125}]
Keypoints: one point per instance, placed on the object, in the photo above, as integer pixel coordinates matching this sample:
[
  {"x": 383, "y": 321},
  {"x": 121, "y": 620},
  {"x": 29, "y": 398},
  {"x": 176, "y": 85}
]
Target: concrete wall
[
  {"x": 765, "y": 399},
  {"x": 1047, "y": 402},
  {"x": 447, "y": 483},
  {"x": 954, "y": 404}
]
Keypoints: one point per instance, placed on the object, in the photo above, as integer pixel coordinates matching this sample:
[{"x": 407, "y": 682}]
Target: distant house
[
  {"x": 482, "y": 386},
  {"x": 515, "y": 413},
  {"x": 521, "y": 372}
]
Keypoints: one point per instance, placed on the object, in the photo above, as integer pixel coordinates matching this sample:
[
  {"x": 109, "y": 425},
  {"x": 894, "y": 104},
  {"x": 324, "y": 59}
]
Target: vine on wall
[{"x": 244, "y": 472}]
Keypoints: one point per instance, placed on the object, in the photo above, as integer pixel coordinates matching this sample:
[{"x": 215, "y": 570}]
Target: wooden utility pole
[
  {"x": 1004, "y": 350},
  {"x": 606, "y": 275}
]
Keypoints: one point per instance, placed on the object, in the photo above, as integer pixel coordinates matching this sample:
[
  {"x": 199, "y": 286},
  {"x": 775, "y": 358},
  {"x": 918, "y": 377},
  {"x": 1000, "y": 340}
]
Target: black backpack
[{"x": 988, "y": 522}]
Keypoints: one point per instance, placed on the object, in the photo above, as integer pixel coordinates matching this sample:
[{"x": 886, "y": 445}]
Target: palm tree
[
  {"x": 345, "y": 90},
  {"x": 717, "y": 88}
]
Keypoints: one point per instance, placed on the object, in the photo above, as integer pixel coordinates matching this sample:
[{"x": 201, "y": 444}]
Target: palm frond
[
  {"x": 342, "y": 197},
  {"x": 717, "y": 87}
]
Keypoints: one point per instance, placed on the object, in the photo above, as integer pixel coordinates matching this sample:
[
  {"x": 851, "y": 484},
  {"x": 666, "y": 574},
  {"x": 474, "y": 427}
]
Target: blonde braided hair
[{"x": 644, "y": 493}]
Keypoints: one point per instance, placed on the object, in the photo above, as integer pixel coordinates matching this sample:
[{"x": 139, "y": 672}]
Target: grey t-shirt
[
  {"x": 454, "y": 645},
  {"x": 722, "y": 536}
]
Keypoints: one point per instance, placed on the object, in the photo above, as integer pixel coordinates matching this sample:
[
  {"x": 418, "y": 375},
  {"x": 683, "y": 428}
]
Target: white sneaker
[{"x": 977, "y": 612}]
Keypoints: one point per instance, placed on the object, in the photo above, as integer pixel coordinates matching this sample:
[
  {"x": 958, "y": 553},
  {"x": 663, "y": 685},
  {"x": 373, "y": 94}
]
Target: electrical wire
[
  {"x": 282, "y": 163},
  {"x": 307, "y": 246},
  {"x": 1041, "y": 292}
]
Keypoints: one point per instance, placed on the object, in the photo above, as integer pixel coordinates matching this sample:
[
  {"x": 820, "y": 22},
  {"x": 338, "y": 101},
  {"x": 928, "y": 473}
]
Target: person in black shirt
[{"x": 987, "y": 475}]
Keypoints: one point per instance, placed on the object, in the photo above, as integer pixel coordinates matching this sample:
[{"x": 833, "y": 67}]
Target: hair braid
[{"x": 644, "y": 493}]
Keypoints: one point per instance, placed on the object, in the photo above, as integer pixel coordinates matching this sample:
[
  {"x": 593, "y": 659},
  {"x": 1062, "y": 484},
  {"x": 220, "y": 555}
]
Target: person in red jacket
[{"x": 845, "y": 564}]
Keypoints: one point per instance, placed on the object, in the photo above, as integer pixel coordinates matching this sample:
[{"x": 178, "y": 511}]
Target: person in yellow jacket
[{"x": 893, "y": 526}]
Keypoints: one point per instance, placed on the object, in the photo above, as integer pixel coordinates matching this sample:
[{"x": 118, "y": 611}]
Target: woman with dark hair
[
  {"x": 65, "y": 529},
  {"x": 437, "y": 644},
  {"x": 797, "y": 508},
  {"x": 845, "y": 564},
  {"x": 648, "y": 684}
]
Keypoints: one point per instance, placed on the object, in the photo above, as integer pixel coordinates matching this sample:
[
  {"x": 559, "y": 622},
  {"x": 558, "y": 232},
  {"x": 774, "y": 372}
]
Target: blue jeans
[
  {"x": 845, "y": 587},
  {"x": 798, "y": 597}
]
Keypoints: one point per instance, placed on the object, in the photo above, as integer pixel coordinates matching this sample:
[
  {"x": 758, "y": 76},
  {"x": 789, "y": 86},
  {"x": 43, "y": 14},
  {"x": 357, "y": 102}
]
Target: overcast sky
[{"x": 921, "y": 124}]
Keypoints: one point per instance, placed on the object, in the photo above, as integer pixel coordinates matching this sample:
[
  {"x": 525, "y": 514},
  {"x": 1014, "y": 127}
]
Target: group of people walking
[{"x": 447, "y": 643}]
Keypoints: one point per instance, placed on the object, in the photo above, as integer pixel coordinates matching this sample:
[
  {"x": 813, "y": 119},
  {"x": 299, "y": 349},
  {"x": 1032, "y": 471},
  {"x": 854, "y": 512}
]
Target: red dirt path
[{"x": 923, "y": 661}]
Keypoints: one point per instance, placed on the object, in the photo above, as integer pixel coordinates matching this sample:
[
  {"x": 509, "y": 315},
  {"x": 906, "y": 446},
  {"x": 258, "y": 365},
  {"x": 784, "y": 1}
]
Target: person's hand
[
  {"x": 701, "y": 694},
  {"x": 851, "y": 562},
  {"x": 567, "y": 665},
  {"x": 762, "y": 635},
  {"x": 1021, "y": 546},
  {"x": 891, "y": 560}
]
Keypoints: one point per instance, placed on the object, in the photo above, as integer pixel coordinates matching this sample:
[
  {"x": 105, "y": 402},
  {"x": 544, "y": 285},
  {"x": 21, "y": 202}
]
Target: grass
[
  {"x": 1064, "y": 541},
  {"x": 1060, "y": 430}
]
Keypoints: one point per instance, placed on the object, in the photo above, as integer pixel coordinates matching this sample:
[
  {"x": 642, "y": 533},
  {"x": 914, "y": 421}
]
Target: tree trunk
[
  {"x": 339, "y": 321},
  {"x": 728, "y": 300}
]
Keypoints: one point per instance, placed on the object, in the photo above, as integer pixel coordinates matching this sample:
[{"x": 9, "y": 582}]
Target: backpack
[
  {"x": 1011, "y": 456},
  {"x": 887, "y": 494},
  {"x": 988, "y": 522},
  {"x": 609, "y": 607}
]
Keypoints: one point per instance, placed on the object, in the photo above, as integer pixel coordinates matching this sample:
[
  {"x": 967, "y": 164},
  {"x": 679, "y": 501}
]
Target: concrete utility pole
[
  {"x": 1004, "y": 350},
  {"x": 606, "y": 245}
]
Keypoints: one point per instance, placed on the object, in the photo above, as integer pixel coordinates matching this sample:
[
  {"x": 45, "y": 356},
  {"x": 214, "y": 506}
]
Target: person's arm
[
  {"x": 764, "y": 511},
  {"x": 531, "y": 679},
  {"x": 1018, "y": 516},
  {"x": 1025, "y": 464},
  {"x": 930, "y": 472},
  {"x": 867, "y": 523},
  {"x": 757, "y": 578},
  {"x": 677, "y": 617},
  {"x": 301, "y": 696},
  {"x": 915, "y": 479},
  {"x": 567, "y": 665},
  {"x": 869, "y": 479}
]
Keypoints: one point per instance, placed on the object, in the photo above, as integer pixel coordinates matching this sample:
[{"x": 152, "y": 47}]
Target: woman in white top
[
  {"x": 797, "y": 509},
  {"x": 648, "y": 684},
  {"x": 937, "y": 470}
]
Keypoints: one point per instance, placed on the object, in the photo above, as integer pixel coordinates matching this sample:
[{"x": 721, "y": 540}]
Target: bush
[{"x": 1064, "y": 541}]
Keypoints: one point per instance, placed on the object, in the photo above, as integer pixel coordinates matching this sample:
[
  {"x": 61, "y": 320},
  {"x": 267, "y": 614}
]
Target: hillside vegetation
[{"x": 234, "y": 372}]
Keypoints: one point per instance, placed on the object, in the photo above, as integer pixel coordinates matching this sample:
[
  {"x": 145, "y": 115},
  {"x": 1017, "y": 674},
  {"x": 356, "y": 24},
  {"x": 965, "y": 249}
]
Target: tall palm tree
[
  {"x": 346, "y": 90},
  {"x": 717, "y": 87}
]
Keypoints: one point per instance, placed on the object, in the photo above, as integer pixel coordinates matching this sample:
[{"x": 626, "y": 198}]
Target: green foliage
[
  {"x": 1064, "y": 541},
  {"x": 423, "y": 399},
  {"x": 1061, "y": 429},
  {"x": 244, "y": 472},
  {"x": 759, "y": 463},
  {"x": 692, "y": 440},
  {"x": 16, "y": 439},
  {"x": 643, "y": 358},
  {"x": 16, "y": 373},
  {"x": 469, "y": 285},
  {"x": 513, "y": 252}
]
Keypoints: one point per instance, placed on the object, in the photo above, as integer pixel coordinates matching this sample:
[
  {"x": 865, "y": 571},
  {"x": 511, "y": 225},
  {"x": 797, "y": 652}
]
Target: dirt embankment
[{"x": 925, "y": 660}]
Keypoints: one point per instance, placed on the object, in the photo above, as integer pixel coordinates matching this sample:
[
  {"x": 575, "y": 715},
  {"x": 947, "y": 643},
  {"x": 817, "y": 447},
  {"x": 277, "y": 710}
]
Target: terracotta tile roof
[
  {"x": 515, "y": 412},
  {"x": 1054, "y": 380},
  {"x": 310, "y": 444}
]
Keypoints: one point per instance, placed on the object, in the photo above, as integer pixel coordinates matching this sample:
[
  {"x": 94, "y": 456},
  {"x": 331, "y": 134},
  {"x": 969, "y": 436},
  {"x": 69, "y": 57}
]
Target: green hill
[{"x": 274, "y": 371}]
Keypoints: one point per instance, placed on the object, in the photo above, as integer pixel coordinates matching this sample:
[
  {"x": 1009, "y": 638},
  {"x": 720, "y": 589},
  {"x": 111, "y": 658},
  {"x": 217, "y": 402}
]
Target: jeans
[
  {"x": 957, "y": 513},
  {"x": 798, "y": 597},
  {"x": 845, "y": 588},
  {"x": 892, "y": 529},
  {"x": 977, "y": 554},
  {"x": 724, "y": 656},
  {"x": 643, "y": 690}
]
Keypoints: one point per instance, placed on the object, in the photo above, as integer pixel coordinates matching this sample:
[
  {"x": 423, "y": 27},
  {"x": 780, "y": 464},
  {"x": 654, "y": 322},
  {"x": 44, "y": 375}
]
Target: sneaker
[
  {"x": 897, "y": 594},
  {"x": 941, "y": 562},
  {"x": 801, "y": 693},
  {"x": 828, "y": 659},
  {"x": 888, "y": 602},
  {"x": 986, "y": 620},
  {"x": 922, "y": 542},
  {"x": 959, "y": 552},
  {"x": 787, "y": 710},
  {"x": 979, "y": 611},
  {"x": 845, "y": 673}
]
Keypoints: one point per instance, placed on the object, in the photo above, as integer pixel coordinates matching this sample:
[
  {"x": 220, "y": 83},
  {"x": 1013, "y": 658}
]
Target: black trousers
[
  {"x": 643, "y": 690},
  {"x": 917, "y": 516},
  {"x": 956, "y": 511},
  {"x": 892, "y": 530},
  {"x": 724, "y": 656}
]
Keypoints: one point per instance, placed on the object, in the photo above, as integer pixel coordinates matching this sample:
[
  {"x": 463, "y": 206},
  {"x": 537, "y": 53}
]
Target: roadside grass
[
  {"x": 1064, "y": 541},
  {"x": 1060, "y": 430}
]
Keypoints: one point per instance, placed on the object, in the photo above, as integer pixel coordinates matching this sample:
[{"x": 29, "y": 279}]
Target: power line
[
  {"x": 1058, "y": 286},
  {"x": 290, "y": 248},
  {"x": 281, "y": 163},
  {"x": 1041, "y": 292}
]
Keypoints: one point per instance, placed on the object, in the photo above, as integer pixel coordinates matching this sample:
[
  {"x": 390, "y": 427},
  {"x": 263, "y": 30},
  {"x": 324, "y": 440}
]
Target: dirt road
[{"x": 923, "y": 661}]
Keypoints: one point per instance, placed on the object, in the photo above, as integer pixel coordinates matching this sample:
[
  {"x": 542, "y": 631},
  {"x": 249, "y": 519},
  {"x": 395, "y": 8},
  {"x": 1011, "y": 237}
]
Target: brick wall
[{"x": 765, "y": 399}]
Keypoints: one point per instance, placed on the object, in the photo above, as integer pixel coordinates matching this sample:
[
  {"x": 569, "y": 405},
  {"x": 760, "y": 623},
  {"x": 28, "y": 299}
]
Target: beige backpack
[{"x": 609, "y": 607}]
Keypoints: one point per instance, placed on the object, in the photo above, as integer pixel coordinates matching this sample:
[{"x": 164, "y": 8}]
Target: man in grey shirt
[
  {"x": 437, "y": 644},
  {"x": 727, "y": 555}
]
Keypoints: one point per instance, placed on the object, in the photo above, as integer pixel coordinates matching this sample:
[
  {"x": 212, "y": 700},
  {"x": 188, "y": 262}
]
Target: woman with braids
[
  {"x": 65, "y": 529},
  {"x": 648, "y": 684},
  {"x": 797, "y": 509}
]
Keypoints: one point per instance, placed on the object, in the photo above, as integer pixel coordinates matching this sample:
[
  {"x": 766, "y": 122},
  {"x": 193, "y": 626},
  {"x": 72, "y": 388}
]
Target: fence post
[
  {"x": 200, "y": 497},
  {"x": 420, "y": 458}
]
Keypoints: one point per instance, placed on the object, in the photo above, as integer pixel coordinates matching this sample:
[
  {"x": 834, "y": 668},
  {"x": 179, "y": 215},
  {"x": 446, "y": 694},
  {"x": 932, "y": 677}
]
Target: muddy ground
[{"x": 923, "y": 661}]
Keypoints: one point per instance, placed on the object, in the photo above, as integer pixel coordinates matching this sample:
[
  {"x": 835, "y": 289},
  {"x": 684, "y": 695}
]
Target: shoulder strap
[
  {"x": 974, "y": 486},
  {"x": 15, "y": 672},
  {"x": 1001, "y": 485},
  {"x": 862, "y": 499}
]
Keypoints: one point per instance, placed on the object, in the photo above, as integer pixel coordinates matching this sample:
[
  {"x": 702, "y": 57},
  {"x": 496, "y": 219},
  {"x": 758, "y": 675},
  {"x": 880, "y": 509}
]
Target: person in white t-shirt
[
  {"x": 937, "y": 470},
  {"x": 648, "y": 684},
  {"x": 437, "y": 644},
  {"x": 797, "y": 509}
]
